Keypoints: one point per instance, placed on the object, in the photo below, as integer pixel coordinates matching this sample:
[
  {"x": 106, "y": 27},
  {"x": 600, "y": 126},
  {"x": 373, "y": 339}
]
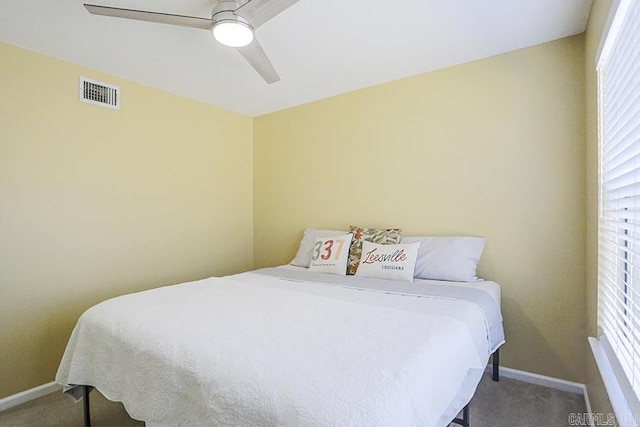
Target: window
[{"x": 619, "y": 185}]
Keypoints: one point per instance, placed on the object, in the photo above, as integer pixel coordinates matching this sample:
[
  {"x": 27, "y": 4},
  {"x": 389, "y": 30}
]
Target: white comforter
[{"x": 255, "y": 350}]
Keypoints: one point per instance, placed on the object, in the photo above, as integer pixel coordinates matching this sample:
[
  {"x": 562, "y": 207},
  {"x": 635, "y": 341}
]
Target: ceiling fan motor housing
[{"x": 225, "y": 11}]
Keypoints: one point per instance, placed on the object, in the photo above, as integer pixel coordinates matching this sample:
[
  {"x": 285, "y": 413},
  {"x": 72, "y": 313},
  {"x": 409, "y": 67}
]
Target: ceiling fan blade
[
  {"x": 141, "y": 15},
  {"x": 260, "y": 11},
  {"x": 254, "y": 55}
]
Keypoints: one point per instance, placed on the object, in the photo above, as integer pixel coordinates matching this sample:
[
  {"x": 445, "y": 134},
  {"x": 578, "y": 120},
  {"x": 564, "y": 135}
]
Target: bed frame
[{"x": 464, "y": 421}]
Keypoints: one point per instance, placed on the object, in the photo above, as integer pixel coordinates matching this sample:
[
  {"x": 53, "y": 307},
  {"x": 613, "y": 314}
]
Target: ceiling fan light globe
[{"x": 232, "y": 33}]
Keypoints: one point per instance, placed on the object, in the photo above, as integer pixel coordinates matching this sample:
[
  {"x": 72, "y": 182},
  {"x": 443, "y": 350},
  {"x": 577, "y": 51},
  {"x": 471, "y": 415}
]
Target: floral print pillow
[{"x": 389, "y": 236}]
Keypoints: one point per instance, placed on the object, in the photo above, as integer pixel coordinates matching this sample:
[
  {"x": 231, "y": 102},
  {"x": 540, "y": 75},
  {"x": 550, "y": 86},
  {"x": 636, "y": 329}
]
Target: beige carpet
[
  {"x": 510, "y": 403},
  {"x": 506, "y": 403}
]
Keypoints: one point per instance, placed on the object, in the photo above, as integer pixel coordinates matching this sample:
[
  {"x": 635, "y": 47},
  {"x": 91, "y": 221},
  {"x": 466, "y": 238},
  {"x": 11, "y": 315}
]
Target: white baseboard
[
  {"x": 545, "y": 381},
  {"x": 28, "y": 395}
]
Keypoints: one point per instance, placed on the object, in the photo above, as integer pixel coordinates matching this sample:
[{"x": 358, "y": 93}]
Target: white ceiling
[{"x": 320, "y": 48}]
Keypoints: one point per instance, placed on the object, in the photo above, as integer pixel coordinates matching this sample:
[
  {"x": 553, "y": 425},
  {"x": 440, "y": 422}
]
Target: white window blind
[{"x": 619, "y": 221}]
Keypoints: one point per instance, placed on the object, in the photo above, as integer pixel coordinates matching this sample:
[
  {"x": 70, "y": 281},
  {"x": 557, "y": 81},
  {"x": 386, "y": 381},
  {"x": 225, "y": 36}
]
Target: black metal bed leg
[
  {"x": 496, "y": 364},
  {"x": 465, "y": 416},
  {"x": 85, "y": 404},
  {"x": 464, "y": 421}
]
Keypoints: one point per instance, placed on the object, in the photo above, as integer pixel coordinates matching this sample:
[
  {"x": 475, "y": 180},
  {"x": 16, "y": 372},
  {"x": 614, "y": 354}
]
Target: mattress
[{"x": 289, "y": 347}]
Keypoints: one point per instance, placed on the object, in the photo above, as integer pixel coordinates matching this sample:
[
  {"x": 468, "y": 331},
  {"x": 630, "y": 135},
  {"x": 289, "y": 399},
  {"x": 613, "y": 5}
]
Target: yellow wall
[
  {"x": 492, "y": 148},
  {"x": 597, "y": 19},
  {"x": 96, "y": 202}
]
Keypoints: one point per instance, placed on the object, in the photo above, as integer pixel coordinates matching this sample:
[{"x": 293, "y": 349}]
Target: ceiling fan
[{"x": 232, "y": 23}]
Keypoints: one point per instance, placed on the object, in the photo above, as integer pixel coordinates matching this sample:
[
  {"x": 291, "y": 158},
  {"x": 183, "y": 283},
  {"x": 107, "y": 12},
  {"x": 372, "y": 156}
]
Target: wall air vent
[{"x": 99, "y": 93}]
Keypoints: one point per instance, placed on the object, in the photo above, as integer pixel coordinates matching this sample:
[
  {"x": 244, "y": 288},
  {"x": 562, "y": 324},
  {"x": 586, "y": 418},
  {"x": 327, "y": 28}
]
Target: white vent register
[{"x": 99, "y": 93}]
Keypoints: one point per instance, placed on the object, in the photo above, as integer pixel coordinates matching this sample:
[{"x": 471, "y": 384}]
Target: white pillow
[
  {"x": 330, "y": 254},
  {"x": 303, "y": 256},
  {"x": 447, "y": 258},
  {"x": 394, "y": 262}
]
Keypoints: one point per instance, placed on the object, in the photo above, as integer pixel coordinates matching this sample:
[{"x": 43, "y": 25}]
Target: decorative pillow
[
  {"x": 389, "y": 236},
  {"x": 303, "y": 257},
  {"x": 448, "y": 258},
  {"x": 330, "y": 254},
  {"x": 394, "y": 262}
]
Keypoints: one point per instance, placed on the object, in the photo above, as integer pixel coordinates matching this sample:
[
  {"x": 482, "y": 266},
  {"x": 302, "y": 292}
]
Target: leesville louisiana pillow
[
  {"x": 360, "y": 234},
  {"x": 393, "y": 262},
  {"x": 448, "y": 258},
  {"x": 303, "y": 257},
  {"x": 330, "y": 254}
]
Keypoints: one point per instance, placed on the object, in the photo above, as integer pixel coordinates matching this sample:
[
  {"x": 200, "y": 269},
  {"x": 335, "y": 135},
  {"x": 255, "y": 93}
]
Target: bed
[{"x": 287, "y": 346}]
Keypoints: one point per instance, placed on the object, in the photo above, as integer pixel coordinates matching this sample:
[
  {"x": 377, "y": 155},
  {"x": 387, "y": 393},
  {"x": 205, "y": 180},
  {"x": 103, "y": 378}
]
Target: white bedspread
[{"x": 256, "y": 350}]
